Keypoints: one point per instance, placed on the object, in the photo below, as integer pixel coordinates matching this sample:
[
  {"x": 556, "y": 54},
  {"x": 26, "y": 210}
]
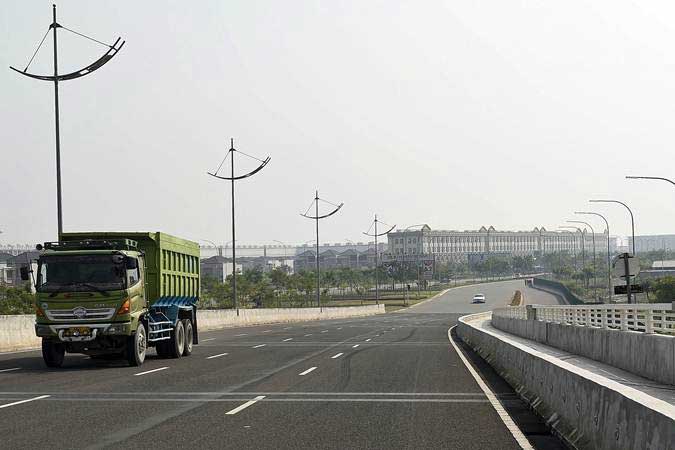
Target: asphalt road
[{"x": 388, "y": 381}]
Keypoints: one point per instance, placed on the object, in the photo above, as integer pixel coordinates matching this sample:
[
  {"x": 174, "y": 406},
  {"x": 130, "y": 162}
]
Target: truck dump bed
[{"x": 172, "y": 264}]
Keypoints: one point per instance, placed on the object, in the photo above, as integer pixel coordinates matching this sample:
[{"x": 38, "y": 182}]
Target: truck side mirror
[{"x": 25, "y": 273}]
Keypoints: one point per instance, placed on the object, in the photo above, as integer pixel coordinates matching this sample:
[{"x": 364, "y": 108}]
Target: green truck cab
[{"x": 113, "y": 295}]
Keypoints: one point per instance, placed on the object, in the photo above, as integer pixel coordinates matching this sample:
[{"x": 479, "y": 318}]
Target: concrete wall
[
  {"x": 587, "y": 410},
  {"x": 647, "y": 355},
  {"x": 222, "y": 318},
  {"x": 17, "y": 332},
  {"x": 558, "y": 289}
]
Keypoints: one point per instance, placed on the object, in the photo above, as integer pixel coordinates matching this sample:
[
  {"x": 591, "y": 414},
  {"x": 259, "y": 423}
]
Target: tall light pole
[
  {"x": 609, "y": 264},
  {"x": 377, "y": 257},
  {"x": 581, "y": 235},
  {"x": 317, "y": 217},
  {"x": 595, "y": 276},
  {"x": 232, "y": 178},
  {"x": 218, "y": 249},
  {"x": 107, "y": 56},
  {"x": 632, "y": 221},
  {"x": 574, "y": 243}
]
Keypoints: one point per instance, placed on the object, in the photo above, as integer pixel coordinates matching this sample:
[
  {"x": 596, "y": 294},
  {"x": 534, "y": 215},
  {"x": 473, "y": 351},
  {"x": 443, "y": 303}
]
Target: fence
[{"x": 647, "y": 318}]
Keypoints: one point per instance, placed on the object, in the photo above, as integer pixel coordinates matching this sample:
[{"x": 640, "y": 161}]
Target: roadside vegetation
[{"x": 16, "y": 300}]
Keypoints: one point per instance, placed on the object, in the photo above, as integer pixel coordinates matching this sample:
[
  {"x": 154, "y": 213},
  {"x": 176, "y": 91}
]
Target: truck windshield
[{"x": 80, "y": 273}]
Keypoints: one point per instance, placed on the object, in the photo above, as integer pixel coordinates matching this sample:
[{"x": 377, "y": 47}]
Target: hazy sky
[{"x": 453, "y": 113}]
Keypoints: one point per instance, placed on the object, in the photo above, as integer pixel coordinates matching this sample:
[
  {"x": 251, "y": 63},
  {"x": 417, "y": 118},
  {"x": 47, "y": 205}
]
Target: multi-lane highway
[{"x": 388, "y": 381}]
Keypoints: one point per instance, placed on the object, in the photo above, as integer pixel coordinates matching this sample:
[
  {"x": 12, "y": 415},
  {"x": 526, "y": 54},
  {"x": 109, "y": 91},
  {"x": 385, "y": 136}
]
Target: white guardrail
[{"x": 647, "y": 318}]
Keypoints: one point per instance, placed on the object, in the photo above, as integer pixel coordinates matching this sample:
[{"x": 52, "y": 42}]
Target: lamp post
[
  {"x": 219, "y": 249},
  {"x": 632, "y": 221},
  {"x": 595, "y": 277},
  {"x": 232, "y": 178},
  {"x": 581, "y": 235},
  {"x": 609, "y": 264},
  {"x": 574, "y": 244},
  {"x": 377, "y": 258},
  {"x": 56, "y": 78},
  {"x": 316, "y": 218}
]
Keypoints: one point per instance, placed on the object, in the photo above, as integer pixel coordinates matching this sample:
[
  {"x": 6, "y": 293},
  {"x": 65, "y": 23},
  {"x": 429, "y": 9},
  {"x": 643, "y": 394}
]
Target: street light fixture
[
  {"x": 56, "y": 78},
  {"x": 632, "y": 221},
  {"x": 377, "y": 257},
  {"x": 609, "y": 264},
  {"x": 583, "y": 252},
  {"x": 651, "y": 178},
  {"x": 595, "y": 268}
]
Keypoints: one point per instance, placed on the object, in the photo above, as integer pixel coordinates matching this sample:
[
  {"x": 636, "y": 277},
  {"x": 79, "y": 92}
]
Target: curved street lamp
[
  {"x": 609, "y": 264},
  {"x": 651, "y": 178},
  {"x": 632, "y": 221},
  {"x": 595, "y": 276}
]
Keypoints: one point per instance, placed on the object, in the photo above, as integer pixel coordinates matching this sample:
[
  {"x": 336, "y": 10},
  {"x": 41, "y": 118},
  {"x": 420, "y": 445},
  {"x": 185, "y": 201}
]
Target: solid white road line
[
  {"x": 209, "y": 339},
  {"x": 336, "y": 356},
  {"x": 9, "y": 370},
  {"x": 260, "y": 345},
  {"x": 307, "y": 371},
  {"x": 40, "y": 397},
  {"x": 216, "y": 356},
  {"x": 245, "y": 405},
  {"x": 150, "y": 371},
  {"x": 492, "y": 398},
  {"x": 289, "y": 339},
  {"x": 354, "y": 346}
]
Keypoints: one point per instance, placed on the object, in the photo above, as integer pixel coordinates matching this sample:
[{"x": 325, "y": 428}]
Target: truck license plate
[{"x": 77, "y": 331}]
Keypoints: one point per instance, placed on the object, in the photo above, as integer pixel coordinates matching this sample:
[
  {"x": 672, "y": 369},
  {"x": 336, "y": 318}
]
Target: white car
[{"x": 479, "y": 298}]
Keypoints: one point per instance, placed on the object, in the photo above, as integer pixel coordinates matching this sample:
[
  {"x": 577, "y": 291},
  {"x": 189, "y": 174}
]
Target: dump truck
[{"x": 114, "y": 295}]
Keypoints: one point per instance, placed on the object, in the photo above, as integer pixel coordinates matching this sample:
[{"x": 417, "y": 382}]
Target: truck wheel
[
  {"x": 137, "y": 344},
  {"x": 53, "y": 352},
  {"x": 177, "y": 341},
  {"x": 189, "y": 331}
]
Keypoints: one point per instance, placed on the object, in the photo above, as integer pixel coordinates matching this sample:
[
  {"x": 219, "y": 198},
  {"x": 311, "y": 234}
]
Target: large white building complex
[{"x": 446, "y": 245}]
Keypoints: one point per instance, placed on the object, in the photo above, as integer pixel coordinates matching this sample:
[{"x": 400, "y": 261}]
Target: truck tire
[
  {"x": 137, "y": 345},
  {"x": 177, "y": 341},
  {"x": 53, "y": 352},
  {"x": 189, "y": 336}
]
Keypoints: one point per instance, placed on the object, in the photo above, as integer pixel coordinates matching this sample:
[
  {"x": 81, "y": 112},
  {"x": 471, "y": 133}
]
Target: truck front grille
[{"x": 63, "y": 315}]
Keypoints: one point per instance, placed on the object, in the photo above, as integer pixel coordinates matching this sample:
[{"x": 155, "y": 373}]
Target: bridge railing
[{"x": 646, "y": 318}]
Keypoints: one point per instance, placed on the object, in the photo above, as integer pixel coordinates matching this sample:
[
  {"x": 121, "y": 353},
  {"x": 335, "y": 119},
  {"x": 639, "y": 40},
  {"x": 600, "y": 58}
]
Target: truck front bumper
[{"x": 97, "y": 330}]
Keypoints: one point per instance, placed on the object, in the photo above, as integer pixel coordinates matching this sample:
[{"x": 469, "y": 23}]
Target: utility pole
[
  {"x": 107, "y": 56},
  {"x": 232, "y": 178},
  {"x": 317, "y": 217},
  {"x": 377, "y": 257}
]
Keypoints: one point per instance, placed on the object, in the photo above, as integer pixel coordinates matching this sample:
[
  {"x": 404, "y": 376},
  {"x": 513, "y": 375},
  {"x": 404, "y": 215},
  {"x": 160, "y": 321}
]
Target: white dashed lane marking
[
  {"x": 10, "y": 370},
  {"x": 289, "y": 339},
  {"x": 307, "y": 371},
  {"x": 150, "y": 371},
  {"x": 354, "y": 346},
  {"x": 216, "y": 356},
  {"x": 245, "y": 405},
  {"x": 336, "y": 356},
  {"x": 209, "y": 339},
  {"x": 7, "y": 405},
  {"x": 259, "y": 345}
]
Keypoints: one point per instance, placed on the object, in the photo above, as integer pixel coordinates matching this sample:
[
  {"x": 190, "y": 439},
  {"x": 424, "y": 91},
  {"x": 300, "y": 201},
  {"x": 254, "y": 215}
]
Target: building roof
[{"x": 667, "y": 264}]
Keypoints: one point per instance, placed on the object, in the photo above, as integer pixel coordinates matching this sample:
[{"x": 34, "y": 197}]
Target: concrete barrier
[
  {"x": 558, "y": 289},
  {"x": 17, "y": 332},
  {"x": 223, "y": 318},
  {"x": 587, "y": 410},
  {"x": 647, "y": 355}
]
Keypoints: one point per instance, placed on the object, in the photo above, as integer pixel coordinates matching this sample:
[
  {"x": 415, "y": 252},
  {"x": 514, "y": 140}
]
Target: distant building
[
  {"x": 424, "y": 243},
  {"x": 659, "y": 269},
  {"x": 652, "y": 243},
  {"x": 10, "y": 274},
  {"x": 217, "y": 267},
  {"x": 331, "y": 259}
]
